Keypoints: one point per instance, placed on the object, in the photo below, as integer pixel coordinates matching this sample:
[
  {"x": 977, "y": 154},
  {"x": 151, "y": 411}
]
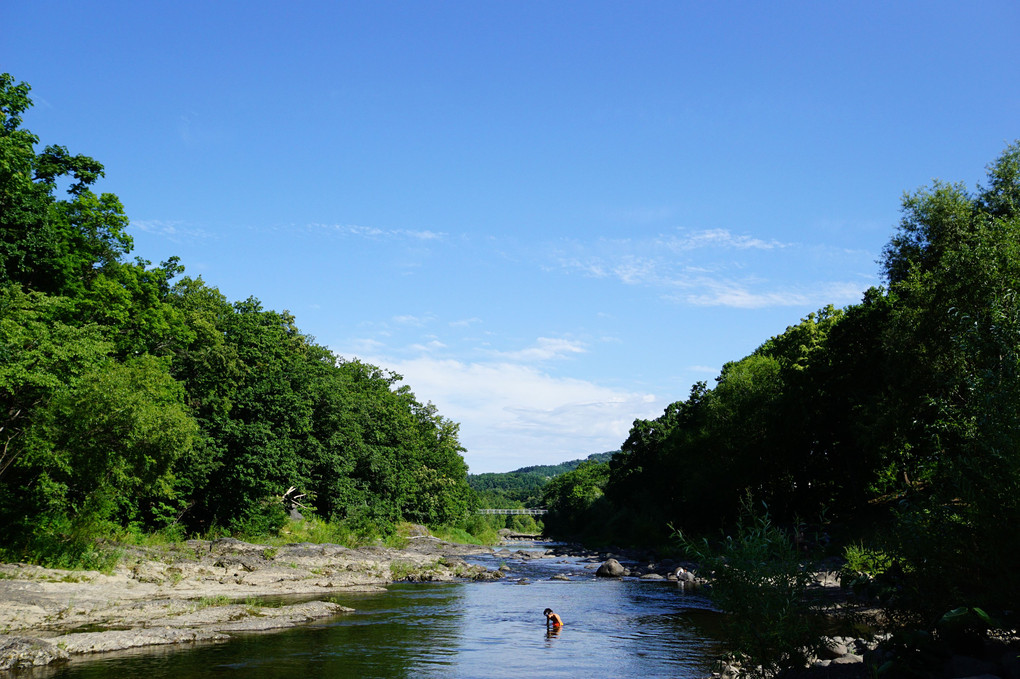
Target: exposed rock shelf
[{"x": 200, "y": 591}]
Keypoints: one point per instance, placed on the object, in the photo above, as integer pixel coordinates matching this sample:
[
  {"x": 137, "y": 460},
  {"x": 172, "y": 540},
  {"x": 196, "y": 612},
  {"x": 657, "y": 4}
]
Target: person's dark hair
[{"x": 547, "y": 611}]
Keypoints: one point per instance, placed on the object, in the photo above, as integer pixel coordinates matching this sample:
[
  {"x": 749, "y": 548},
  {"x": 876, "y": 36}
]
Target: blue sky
[{"x": 551, "y": 218}]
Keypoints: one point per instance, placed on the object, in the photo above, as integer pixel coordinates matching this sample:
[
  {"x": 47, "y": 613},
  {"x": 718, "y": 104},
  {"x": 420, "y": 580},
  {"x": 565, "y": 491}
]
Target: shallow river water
[{"x": 612, "y": 628}]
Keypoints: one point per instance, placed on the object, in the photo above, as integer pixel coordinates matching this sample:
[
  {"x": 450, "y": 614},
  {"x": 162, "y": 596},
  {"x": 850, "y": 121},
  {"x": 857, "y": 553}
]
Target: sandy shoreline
[{"x": 200, "y": 591}]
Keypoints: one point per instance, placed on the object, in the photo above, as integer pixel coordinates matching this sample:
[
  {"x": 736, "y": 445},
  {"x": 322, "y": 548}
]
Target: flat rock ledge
[
  {"x": 199, "y": 591},
  {"x": 203, "y": 625},
  {"x": 120, "y": 640}
]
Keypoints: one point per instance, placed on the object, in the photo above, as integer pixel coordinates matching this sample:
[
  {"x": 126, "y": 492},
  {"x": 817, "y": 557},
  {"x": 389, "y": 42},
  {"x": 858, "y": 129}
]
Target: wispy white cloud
[
  {"x": 742, "y": 296},
  {"x": 373, "y": 232},
  {"x": 465, "y": 322},
  {"x": 416, "y": 321},
  {"x": 515, "y": 409},
  {"x": 428, "y": 347},
  {"x": 715, "y": 238},
  {"x": 420, "y": 235},
  {"x": 355, "y": 230},
  {"x": 708, "y": 268},
  {"x": 544, "y": 349},
  {"x": 175, "y": 231},
  {"x": 361, "y": 346},
  {"x": 634, "y": 270}
]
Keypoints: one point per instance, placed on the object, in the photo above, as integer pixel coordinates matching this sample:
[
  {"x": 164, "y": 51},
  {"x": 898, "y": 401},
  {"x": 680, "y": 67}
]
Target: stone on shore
[
  {"x": 119, "y": 640},
  {"x": 23, "y": 652},
  {"x": 611, "y": 568}
]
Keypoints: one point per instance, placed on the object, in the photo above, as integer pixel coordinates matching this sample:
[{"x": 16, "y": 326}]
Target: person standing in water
[{"x": 552, "y": 620}]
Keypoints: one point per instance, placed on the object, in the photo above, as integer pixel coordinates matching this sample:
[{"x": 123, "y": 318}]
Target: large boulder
[
  {"x": 23, "y": 652},
  {"x": 611, "y": 568},
  {"x": 488, "y": 575},
  {"x": 684, "y": 575}
]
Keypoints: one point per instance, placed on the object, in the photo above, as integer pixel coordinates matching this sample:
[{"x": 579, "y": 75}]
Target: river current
[{"x": 612, "y": 628}]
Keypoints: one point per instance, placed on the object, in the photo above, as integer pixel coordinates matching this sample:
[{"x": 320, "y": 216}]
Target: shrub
[
  {"x": 266, "y": 522},
  {"x": 59, "y": 542},
  {"x": 759, "y": 582}
]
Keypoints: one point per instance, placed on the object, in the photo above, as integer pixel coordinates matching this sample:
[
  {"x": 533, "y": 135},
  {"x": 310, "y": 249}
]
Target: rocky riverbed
[
  {"x": 204, "y": 591},
  {"x": 200, "y": 591}
]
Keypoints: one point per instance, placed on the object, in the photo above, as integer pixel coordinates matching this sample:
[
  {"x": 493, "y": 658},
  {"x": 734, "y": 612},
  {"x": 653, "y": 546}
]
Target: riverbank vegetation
[
  {"x": 889, "y": 428},
  {"x": 134, "y": 398}
]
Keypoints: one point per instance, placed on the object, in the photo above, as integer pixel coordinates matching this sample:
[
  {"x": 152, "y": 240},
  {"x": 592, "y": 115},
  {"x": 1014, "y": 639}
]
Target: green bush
[
  {"x": 484, "y": 527},
  {"x": 860, "y": 559},
  {"x": 59, "y": 542},
  {"x": 260, "y": 524},
  {"x": 757, "y": 579},
  {"x": 523, "y": 523},
  {"x": 460, "y": 535}
]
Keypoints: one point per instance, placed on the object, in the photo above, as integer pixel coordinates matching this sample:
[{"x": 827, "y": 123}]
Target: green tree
[
  {"x": 439, "y": 491},
  {"x": 130, "y": 394},
  {"x": 261, "y": 438},
  {"x": 49, "y": 244},
  {"x": 575, "y": 500},
  {"x": 40, "y": 354},
  {"x": 112, "y": 437},
  {"x": 24, "y": 239},
  {"x": 952, "y": 339},
  {"x": 98, "y": 449}
]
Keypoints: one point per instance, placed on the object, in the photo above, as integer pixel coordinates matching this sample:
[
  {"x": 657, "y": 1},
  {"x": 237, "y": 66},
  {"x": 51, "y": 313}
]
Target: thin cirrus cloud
[
  {"x": 430, "y": 346},
  {"x": 175, "y": 231},
  {"x": 377, "y": 233},
  {"x": 465, "y": 322},
  {"x": 715, "y": 238},
  {"x": 544, "y": 349},
  {"x": 709, "y": 268},
  {"x": 706, "y": 268},
  {"x": 741, "y": 296},
  {"x": 415, "y": 321}
]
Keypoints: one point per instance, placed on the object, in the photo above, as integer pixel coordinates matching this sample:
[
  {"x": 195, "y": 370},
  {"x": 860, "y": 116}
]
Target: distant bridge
[{"x": 531, "y": 512}]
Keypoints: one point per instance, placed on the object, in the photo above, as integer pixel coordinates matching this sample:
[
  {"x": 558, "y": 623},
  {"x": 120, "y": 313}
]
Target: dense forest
[
  {"x": 890, "y": 427},
  {"x": 135, "y": 397}
]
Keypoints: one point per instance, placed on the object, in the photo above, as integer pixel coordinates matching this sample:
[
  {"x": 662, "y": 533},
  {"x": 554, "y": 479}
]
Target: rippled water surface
[{"x": 613, "y": 628}]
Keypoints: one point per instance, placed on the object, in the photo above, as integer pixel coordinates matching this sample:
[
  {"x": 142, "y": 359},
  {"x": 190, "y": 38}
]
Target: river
[{"x": 613, "y": 628}]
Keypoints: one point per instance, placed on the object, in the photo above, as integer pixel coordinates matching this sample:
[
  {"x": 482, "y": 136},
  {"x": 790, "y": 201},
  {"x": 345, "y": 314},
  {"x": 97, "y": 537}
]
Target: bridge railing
[{"x": 531, "y": 512}]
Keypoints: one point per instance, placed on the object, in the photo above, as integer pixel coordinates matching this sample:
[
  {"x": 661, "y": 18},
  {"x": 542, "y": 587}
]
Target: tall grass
[{"x": 99, "y": 545}]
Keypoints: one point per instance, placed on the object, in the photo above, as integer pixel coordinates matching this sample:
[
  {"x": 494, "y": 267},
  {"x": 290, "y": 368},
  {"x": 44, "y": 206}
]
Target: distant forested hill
[{"x": 522, "y": 487}]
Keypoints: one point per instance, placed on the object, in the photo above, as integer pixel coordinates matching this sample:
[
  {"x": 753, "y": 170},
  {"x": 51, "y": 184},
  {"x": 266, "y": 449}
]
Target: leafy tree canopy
[{"x": 132, "y": 394}]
